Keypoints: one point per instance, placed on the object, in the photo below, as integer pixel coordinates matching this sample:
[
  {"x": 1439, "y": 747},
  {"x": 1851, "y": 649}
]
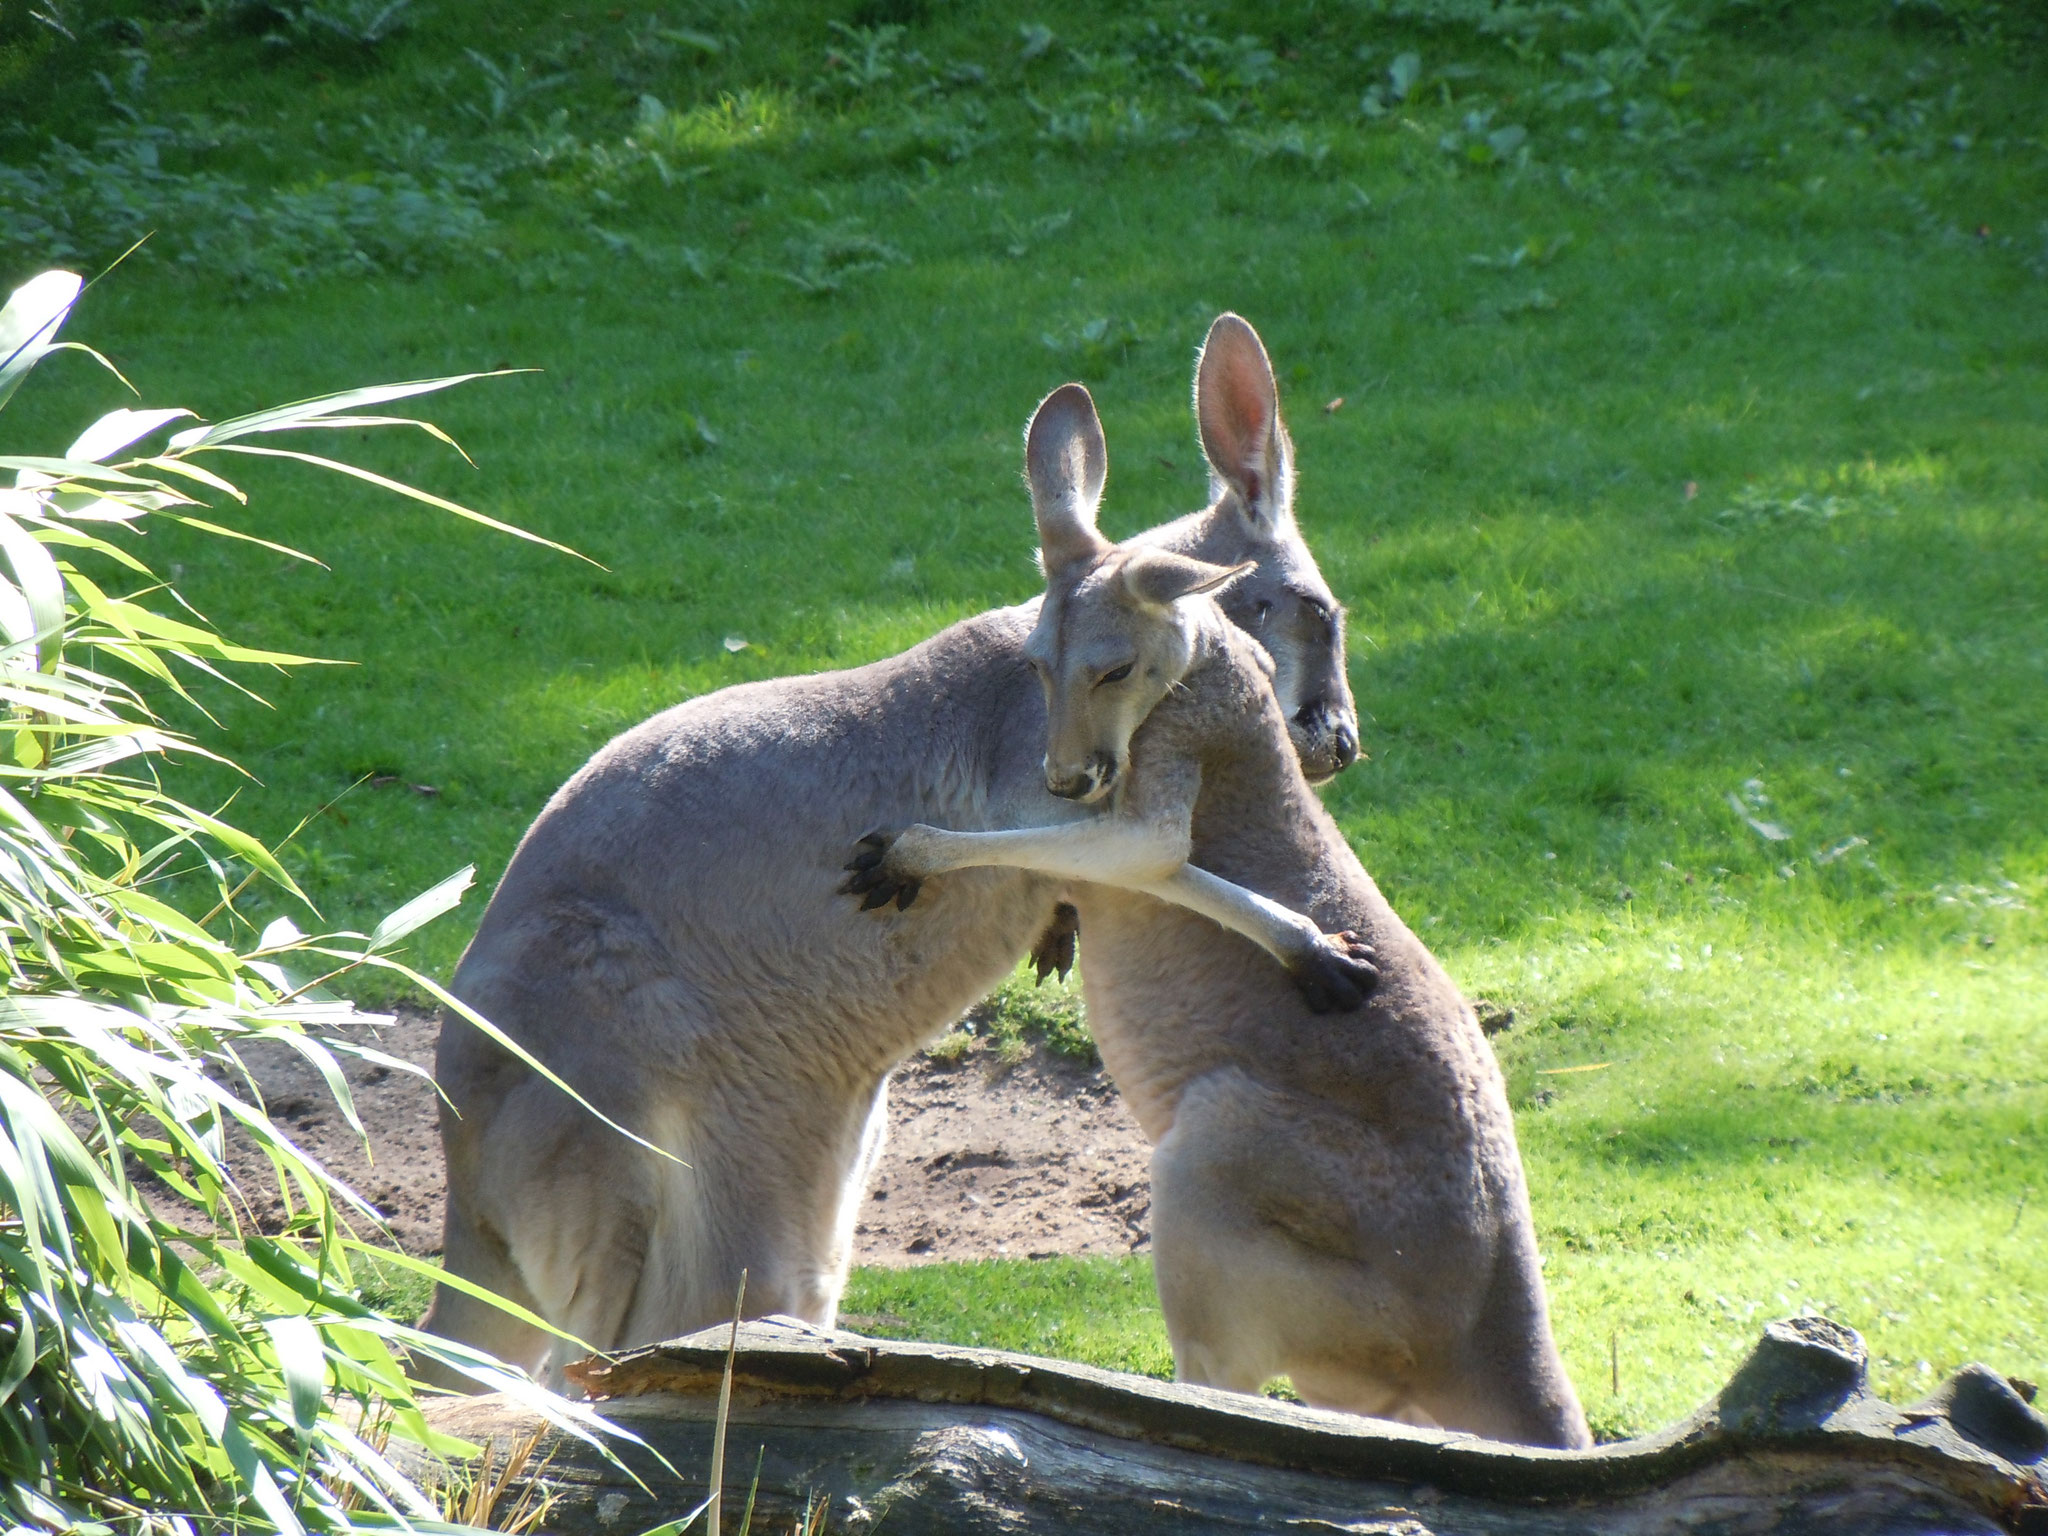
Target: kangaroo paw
[
  {"x": 1336, "y": 974},
  {"x": 1054, "y": 951},
  {"x": 870, "y": 877}
]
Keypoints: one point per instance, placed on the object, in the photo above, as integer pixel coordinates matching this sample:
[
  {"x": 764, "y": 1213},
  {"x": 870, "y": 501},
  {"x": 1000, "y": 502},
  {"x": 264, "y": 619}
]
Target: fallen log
[{"x": 934, "y": 1438}]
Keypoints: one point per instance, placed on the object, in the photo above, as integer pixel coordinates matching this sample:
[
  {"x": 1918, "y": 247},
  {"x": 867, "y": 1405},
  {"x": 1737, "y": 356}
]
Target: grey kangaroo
[
  {"x": 1341, "y": 1201},
  {"x": 669, "y": 939}
]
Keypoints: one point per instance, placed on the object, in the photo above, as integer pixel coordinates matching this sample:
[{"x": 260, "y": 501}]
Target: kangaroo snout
[
  {"x": 1343, "y": 742},
  {"x": 1326, "y": 738},
  {"x": 1087, "y": 783}
]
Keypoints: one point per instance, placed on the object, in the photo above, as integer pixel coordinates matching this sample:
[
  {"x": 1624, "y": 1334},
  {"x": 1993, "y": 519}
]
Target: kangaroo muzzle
[
  {"x": 1087, "y": 783},
  {"x": 1325, "y": 737}
]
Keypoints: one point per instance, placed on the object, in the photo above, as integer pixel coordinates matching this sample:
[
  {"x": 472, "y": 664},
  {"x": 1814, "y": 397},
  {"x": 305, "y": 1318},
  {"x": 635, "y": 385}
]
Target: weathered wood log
[{"x": 929, "y": 1438}]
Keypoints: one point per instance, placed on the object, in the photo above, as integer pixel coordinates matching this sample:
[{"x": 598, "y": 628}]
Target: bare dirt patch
[{"x": 985, "y": 1159}]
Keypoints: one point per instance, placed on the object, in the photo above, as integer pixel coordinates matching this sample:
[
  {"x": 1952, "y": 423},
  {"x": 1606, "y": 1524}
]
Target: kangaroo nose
[
  {"x": 1344, "y": 744},
  {"x": 1088, "y": 782},
  {"x": 1338, "y": 733}
]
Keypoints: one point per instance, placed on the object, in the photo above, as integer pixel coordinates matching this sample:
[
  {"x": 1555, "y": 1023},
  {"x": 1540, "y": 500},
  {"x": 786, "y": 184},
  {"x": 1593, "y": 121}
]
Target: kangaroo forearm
[
  {"x": 1150, "y": 858},
  {"x": 1281, "y": 933},
  {"x": 1121, "y": 855}
]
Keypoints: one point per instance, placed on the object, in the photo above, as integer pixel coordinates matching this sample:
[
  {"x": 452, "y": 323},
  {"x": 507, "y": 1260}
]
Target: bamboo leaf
[
  {"x": 322, "y": 1061},
  {"x": 36, "y": 575},
  {"x": 49, "y": 471},
  {"x": 350, "y": 423},
  {"x": 63, "y": 534},
  {"x": 505, "y": 1042},
  {"x": 455, "y": 1282},
  {"x": 301, "y": 1359},
  {"x": 412, "y": 492},
  {"x": 191, "y": 471},
  {"x": 22, "y": 1358},
  {"x": 18, "y": 624},
  {"x": 281, "y": 417},
  {"x": 28, "y": 325},
  {"x": 423, "y": 908},
  {"x": 117, "y": 430},
  {"x": 247, "y": 538}
]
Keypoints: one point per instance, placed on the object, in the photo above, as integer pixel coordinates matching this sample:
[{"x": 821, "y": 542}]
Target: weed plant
[
  {"x": 166, "y": 1366},
  {"x": 1666, "y": 385},
  {"x": 1023, "y": 1015}
]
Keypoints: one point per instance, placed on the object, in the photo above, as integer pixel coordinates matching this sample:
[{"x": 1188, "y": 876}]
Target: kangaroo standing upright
[
  {"x": 668, "y": 938},
  {"x": 1338, "y": 1200}
]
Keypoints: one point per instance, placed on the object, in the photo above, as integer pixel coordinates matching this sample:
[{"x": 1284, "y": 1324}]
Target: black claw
[
  {"x": 1054, "y": 951},
  {"x": 865, "y": 876},
  {"x": 1336, "y": 982},
  {"x": 907, "y": 895}
]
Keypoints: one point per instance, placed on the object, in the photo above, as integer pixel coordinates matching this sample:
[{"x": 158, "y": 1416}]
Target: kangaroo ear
[
  {"x": 1159, "y": 577},
  {"x": 1237, "y": 409},
  {"x": 1066, "y": 461}
]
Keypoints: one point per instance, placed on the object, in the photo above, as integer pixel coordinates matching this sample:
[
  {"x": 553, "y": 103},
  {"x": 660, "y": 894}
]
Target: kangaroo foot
[
  {"x": 1336, "y": 974},
  {"x": 1054, "y": 950},
  {"x": 870, "y": 877}
]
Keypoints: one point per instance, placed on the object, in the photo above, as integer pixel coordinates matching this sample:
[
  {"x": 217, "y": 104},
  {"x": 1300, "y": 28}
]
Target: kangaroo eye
[
  {"x": 1260, "y": 614},
  {"x": 1116, "y": 676}
]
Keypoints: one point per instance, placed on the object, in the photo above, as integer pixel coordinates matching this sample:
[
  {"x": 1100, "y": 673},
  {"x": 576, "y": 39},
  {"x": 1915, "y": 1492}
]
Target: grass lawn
[{"x": 1689, "y": 492}]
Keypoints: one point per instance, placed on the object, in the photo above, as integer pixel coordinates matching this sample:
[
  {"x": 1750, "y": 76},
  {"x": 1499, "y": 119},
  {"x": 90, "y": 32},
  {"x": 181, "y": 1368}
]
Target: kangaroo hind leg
[
  {"x": 479, "y": 1255},
  {"x": 1269, "y": 1263}
]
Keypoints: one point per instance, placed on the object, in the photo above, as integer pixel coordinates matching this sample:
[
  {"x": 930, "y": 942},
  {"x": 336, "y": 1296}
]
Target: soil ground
[{"x": 986, "y": 1158}]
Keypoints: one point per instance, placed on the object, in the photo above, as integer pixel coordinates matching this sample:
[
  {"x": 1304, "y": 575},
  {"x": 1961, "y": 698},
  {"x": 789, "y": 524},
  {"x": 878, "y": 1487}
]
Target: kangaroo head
[
  {"x": 1283, "y": 602},
  {"x": 1112, "y": 636}
]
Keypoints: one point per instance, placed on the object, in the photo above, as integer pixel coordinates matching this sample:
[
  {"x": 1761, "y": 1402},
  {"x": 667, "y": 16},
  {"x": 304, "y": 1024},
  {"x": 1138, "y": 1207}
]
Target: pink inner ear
[
  {"x": 1240, "y": 419},
  {"x": 1245, "y": 397}
]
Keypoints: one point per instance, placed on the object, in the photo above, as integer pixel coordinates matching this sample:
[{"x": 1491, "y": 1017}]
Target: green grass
[
  {"x": 1102, "y": 1311},
  {"x": 1737, "y": 492},
  {"x": 1024, "y": 1014}
]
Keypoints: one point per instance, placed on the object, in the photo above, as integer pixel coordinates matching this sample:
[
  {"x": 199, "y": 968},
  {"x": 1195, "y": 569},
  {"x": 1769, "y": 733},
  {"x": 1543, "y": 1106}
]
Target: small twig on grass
[
  {"x": 1614, "y": 1361},
  {"x": 2019, "y": 1210}
]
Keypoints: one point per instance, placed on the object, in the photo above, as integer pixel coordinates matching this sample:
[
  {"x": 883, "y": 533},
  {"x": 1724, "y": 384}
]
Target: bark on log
[{"x": 923, "y": 1438}]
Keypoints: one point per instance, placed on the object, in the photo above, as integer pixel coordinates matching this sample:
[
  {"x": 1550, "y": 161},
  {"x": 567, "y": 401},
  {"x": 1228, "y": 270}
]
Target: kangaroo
[
  {"x": 1341, "y": 1203},
  {"x": 669, "y": 939},
  {"x": 1283, "y": 600}
]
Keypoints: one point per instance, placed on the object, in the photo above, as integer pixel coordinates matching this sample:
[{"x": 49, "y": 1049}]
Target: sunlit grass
[
  {"x": 1098, "y": 1311},
  {"x": 718, "y": 127}
]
